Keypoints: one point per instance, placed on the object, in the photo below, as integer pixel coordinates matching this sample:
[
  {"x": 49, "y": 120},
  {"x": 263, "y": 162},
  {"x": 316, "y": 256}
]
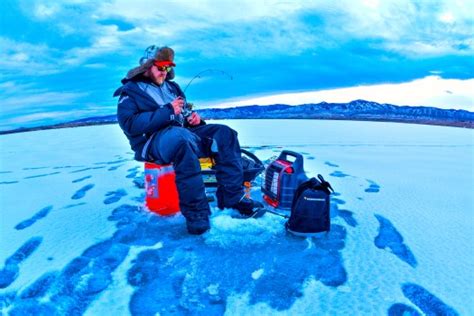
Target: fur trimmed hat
[{"x": 154, "y": 53}]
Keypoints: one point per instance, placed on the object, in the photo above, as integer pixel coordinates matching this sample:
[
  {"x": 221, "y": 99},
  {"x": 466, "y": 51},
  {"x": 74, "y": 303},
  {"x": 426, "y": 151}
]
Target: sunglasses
[{"x": 164, "y": 68}]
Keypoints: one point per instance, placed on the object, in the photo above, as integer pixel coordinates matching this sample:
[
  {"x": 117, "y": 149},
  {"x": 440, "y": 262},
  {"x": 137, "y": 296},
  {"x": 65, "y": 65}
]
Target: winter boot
[{"x": 198, "y": 223}]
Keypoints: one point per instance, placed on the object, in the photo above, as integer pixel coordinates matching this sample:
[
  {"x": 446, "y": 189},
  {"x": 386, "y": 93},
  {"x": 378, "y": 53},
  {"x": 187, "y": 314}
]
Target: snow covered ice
[{"x": 75, "y": 238}]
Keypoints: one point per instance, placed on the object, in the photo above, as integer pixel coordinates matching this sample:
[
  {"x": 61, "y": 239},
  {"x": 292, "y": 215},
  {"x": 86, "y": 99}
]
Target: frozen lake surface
[{"x": 74, "y": 238}]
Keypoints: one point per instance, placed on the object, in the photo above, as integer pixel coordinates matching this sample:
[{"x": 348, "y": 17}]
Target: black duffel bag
[{"x": 310, "y": 208}]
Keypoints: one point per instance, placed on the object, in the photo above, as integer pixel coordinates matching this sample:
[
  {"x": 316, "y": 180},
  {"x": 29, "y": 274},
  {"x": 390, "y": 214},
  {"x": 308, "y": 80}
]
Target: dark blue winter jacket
[{"x": 140, "y": 117}]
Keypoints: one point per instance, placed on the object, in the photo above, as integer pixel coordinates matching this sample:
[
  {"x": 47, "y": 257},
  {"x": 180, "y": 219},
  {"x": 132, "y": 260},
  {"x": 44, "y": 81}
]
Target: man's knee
[
  {"x": 225, "y": 133},
  {"x": 174, "y": 141},
  {"x": 183, "y": 137},
  {"x": 227, "y": 129}
]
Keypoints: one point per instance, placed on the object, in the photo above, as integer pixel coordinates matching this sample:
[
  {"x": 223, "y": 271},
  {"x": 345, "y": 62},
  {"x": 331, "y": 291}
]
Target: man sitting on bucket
[{"x": 150, "y": 113}]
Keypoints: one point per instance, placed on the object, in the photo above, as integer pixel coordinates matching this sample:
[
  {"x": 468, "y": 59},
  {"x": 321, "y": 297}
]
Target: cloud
[
  {"x": 24, "y": 105},
  {"x": 21, "y": 58},
  {"x": 204, "y": 12},
  {"x": 447, "y": 17},
  {"x": 409, "y": 28},
  {"x": 429, "y": 91},
  {"x": 30, "y": 118},
  {"x": 66, "y": 35},
  {"x": 42, "y": 118},
  {"x": 26, "y": 59},
  {"x": 242, "y": 29},
  {"x": 12, "y": 87},
  {"x": 68, "y": 46},
  {"x": 45, "y": 11},
  {"x": 33, "y": 100},
  {"x": 214, "y": 28},
  {"x": 107, "y": 42}
]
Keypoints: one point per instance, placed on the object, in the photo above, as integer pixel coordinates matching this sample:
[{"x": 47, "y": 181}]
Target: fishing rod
[
  {"x": 199, "y": 75},
  {"x": 278, "y": 214},
  {"x": 188, "y": 107}
]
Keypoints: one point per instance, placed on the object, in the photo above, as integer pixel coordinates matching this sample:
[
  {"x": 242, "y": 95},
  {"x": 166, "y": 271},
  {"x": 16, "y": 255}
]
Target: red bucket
[{"x": 161, "y": 193}]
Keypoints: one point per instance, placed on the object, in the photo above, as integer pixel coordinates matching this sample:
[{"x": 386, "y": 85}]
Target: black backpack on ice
[{"x": 310, "y": 208}]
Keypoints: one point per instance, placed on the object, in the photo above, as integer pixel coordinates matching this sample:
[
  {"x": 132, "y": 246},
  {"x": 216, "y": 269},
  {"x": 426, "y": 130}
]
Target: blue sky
[{"x": 62, "y": 60}]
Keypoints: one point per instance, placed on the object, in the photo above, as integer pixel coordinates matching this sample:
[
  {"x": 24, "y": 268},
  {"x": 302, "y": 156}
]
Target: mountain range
[{"x": 354, "y": 110}]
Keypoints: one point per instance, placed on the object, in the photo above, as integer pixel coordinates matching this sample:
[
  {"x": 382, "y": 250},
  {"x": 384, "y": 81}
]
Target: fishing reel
[{"x": 187, "y": 109}]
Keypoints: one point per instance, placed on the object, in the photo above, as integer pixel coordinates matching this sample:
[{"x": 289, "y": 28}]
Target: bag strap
[{"x": 326, "y": 185}]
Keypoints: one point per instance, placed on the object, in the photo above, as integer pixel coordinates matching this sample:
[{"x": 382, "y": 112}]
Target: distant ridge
[
  {"x": 361, "y": 110},
  {"x": 354, "y": 110}
]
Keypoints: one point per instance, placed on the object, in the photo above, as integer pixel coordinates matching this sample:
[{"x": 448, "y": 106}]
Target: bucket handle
[{"x": 297, "y": 164}]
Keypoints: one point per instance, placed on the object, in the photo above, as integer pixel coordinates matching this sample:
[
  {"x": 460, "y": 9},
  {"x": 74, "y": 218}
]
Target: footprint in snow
[{"x": 82, "y": 192}]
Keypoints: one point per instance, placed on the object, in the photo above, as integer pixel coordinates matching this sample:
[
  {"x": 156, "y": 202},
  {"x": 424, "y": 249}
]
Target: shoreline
[{"x": 458, "y": 124}]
